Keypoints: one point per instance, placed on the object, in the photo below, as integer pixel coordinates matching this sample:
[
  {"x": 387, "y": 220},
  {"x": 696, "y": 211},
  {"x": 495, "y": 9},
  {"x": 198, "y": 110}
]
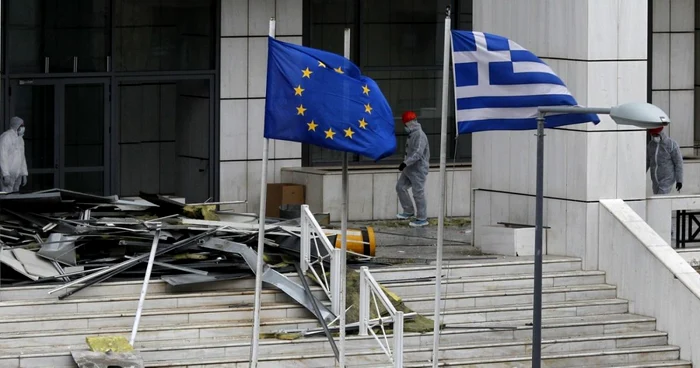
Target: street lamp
[{"x": 639, "y": 114}]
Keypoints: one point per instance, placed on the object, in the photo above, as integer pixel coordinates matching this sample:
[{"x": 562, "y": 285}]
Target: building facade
[{"x": 167, "y": 96}]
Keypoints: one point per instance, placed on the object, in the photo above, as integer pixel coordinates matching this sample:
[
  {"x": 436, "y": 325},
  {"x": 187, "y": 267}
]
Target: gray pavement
[{"x": 399, "y": 243}]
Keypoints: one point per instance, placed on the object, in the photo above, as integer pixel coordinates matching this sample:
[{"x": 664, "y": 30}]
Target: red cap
[
  {"x": 408, "y": 116},
  {"x": 656, "y": 131}
]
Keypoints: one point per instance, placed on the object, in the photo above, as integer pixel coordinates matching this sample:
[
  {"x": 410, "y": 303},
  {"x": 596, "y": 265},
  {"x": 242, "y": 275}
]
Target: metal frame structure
[
  {"x": 146, "y": 281},
  {"x": 114, "y": 78},
  {"x": 311, "y": 230},
  {"x": 370, "y": 291}
]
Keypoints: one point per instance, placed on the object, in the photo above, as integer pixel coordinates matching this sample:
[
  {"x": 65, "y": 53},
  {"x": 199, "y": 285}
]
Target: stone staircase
[{"x": 487, "y": 309}]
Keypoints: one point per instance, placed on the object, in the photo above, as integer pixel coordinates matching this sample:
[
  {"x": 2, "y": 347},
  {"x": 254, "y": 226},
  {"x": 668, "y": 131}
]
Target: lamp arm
[{"x": 573, "y": 110}]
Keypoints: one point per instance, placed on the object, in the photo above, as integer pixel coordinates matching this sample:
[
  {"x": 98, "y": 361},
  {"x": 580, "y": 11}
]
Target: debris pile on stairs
[
  {"x": 76, "y": 240},
  {"x": 63, "y": 236}
]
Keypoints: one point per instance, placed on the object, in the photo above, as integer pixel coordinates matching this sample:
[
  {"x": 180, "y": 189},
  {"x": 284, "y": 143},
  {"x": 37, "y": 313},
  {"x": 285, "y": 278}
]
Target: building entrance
[
  {"x": 66, "y": 141},
  {"x": 118, "y": 96}
]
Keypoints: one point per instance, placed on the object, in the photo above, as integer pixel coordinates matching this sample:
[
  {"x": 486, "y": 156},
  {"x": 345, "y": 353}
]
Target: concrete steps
[
  {"x": 151, "y": 317},
  {"x": 494, "y": 267},
  {"x": 491, "y": 283},
  {"x": 208, "y": 314},
  {"x": 487, "y": 310},
  {"x": 126, "y": 288},
  {"x": 228, "y": 329},
  {"x": 163, "y": 300},
  {"x": 642, "y": 355},
  {"x": 572, "y": 326},
  {"x": 101, "y": 313},
  {"x": 511, "y": 312},
  {"x": 317, "y": 353},
  {"x": 517, "y": 296},
  {"x": 29, "y": 331},
  {"x": 648, "y": 357},
  {"x": 517, "y": 331},
  {"x": 167, "y": 344}
]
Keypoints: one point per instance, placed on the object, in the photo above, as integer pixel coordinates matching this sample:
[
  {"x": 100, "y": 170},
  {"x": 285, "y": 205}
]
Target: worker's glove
[
  {"x": 6, "y": 180},
  {"x": 402, "y": 166},
  {"x": 679, "y": 186},
  {"x": 24, "y": 180}
]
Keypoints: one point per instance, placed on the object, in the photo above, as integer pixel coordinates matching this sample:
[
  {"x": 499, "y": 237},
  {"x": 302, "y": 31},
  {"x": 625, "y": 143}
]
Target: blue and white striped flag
[{"x": 499, "y": 85}]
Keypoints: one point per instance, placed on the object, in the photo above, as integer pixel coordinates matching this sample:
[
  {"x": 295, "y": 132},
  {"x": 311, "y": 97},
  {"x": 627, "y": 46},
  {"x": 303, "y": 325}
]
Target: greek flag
[{"x": 499, "y": 85}]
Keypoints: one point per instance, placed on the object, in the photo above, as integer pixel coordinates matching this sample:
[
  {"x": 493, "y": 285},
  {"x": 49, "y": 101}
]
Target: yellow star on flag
[
  {"x": 298, "y": 90},
  {"x": 321, "y": 64},
  {"x": 365, "y": 90},
  {"x": 312, "y": 126},
  {"x": 329, "y": 133},
  {"x": 368, "y": 109},
  {"x": 307, "y": 73},
  {"x": 348, "y": 133},
  {"x": 363, "y": 123},
  {"x": 300, "y": 110},
  {"x": 339, "y": 70}
]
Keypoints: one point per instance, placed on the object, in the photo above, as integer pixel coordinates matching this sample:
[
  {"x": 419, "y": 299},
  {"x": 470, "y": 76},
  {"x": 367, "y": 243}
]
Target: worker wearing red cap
[
  {"x": 414, "y": 172},
  {"x": 665, "y": 161}
]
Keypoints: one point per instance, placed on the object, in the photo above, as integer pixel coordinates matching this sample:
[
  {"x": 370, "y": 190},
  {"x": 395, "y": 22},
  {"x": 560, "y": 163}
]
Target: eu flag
[{"x": 320, "y": 98}]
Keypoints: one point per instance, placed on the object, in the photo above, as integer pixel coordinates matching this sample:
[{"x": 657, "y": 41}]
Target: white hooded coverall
[
  {"x": 665, "y": 161},
  {"x": 415, "y": 174},
  {"x": 13, "y": 164}
]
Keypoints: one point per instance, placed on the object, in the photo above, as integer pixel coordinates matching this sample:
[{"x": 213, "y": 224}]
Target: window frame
[
  {"x": 116, "y": 77},
  {"x": 356, "y": 57}
]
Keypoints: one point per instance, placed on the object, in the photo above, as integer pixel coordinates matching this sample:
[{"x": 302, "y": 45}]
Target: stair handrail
[
  {"x": 370, "y": 288},
  {"x": 311, "y": 230}
]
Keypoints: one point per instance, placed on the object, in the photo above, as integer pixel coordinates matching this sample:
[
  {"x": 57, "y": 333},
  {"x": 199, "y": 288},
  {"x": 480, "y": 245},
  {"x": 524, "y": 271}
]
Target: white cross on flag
[{"x": 499, "y": 85}]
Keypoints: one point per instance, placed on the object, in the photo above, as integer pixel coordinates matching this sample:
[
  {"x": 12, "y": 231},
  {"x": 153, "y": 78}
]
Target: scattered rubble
[
  {"x": 60, "y": 236},
  {"x": 76, "y": 240}
]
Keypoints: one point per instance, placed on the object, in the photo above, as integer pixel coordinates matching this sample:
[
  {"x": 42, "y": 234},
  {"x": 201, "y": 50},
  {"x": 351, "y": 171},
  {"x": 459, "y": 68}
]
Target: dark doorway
[
  {"x": 65, "y": 142},
  {"x": 117, "y": 95},
  {"x": 164, "y": 140}
]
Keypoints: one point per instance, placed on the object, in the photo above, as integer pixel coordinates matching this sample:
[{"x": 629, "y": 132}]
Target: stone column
[
  {"x": 244, "y": 32},
  {"x": 599, "y": 49}
]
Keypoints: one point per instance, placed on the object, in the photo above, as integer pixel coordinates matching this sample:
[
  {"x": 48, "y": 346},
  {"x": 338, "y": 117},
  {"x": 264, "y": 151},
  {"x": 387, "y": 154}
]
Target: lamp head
[{"x": 640, "y": 114}]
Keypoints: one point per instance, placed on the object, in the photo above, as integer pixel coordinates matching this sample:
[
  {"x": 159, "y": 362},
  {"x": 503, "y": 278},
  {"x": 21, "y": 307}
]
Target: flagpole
[
  {"x": 344, "y": 231},
  {"x": 539, "y": 209},
  {"x": 261, "y": 243},
  {"x": 442, "y": 181}
]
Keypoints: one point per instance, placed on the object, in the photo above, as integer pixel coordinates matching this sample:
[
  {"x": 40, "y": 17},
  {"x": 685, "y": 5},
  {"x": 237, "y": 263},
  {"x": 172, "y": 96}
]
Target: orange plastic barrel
[{"x": 361, "y": 241}]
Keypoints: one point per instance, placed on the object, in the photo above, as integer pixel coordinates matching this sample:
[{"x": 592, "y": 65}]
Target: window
[
  {"x": 159, "y": 35},
  {"x": 56, "y": 35},
  {"x": 398, "y": 43},
  {"x": 114, "y": 89},
  {"x": 63, "y": 36}
]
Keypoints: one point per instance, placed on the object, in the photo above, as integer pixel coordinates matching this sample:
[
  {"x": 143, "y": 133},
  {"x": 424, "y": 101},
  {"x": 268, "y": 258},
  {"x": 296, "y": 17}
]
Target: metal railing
[
  {"x": 312, "y": 231},
  {"x": 685, "y": 233},
  {"x": 369, "y": 293}
]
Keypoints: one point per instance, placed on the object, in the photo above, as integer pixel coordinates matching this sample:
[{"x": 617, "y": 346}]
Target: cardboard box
[{"x": 283, "y": 193}]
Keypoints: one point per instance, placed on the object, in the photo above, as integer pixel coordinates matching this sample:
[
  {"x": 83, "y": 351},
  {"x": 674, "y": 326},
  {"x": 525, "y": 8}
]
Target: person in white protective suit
[
  {"x": 665, "y": 162},
  {"x": 13, "y": 164},
  {"x": 414, "y": 172}
]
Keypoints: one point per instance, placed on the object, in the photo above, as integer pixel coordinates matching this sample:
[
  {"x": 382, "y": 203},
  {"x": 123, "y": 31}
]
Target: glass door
[
  {"x": 83, "y": 137},
  {"x": 36, "y": 103},
  {"x": 66, "y": 132}
]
